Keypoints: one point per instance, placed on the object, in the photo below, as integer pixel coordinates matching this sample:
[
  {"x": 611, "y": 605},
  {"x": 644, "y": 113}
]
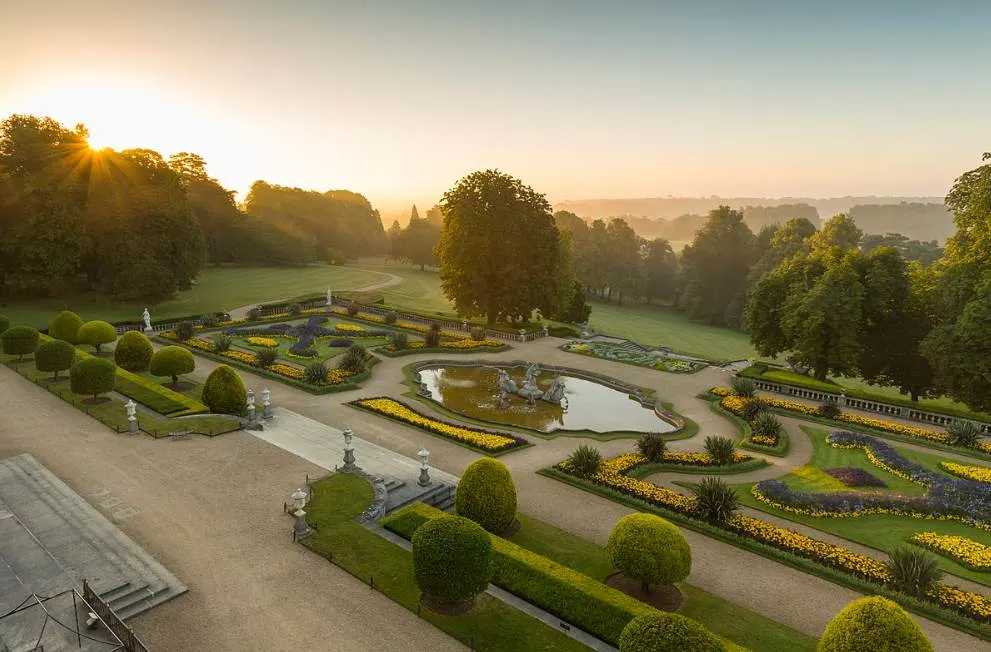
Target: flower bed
[
  {"x": 653, "y": 359},
  {"x": 976, "y": 473},
  {"x": 353, "y": 328},
  {"x": 483, "y": 440},
  {"x": 855, "y": 477},
  {"x": 775, "y": 444},
  {"x": 969, "y": 553},
  {"x": 682, "y": 508},
  {"x": 264, "y": 342}
]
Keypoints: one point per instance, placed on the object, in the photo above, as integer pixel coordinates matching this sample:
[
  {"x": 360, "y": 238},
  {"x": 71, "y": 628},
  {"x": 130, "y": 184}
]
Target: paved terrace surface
[{"x": 792, "y": 597}]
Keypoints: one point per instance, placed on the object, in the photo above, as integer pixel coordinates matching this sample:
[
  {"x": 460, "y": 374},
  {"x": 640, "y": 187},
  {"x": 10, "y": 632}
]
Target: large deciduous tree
[
  {"x": 624, "y": 270},
  {"x": 660, "y": 271},
  {"x": 500, "y": 253},
  {"x": 417, "y": 241}
]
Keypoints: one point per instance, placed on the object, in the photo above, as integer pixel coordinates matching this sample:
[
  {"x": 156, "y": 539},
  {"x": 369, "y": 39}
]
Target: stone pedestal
[
  {"x": 132, "y": 426},
  {"x": 349, "y": 463},
  {"x": 301, "y": 528},
  {"x": 424, "y": 479},
  {"x": 149, "y": 331}
]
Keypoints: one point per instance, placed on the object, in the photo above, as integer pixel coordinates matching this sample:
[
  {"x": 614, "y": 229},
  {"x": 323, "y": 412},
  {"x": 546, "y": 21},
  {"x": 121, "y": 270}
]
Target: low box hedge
[{"x": 576, "y": 598}]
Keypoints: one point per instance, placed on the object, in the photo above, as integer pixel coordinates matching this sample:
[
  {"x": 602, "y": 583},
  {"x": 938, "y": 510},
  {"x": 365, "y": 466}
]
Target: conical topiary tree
[
  {"x": 65, "y": 326},
  {"x": 224, "y": 391},
  {"x": 876, "y": 624},
  {"x": 486, "y": 494},
  {"x": 133, "y": 351}
]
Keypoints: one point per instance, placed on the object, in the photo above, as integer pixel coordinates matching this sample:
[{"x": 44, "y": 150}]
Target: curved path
[{"x": 792, "y": 597}]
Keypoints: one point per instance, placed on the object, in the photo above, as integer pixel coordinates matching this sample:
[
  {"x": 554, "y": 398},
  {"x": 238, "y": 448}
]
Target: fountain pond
[{"x": 475, "y": 392}]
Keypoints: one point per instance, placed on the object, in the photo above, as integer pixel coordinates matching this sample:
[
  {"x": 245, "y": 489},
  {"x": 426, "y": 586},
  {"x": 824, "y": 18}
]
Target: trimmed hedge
[
  {"x": 92, "y": 376},
  {"x": 224, "y": 391},
  {"x": 576, "y": 598},
  {"x": 20, "y": 341},
  {"x": 172, "y": 361},
  {"x": 96, "y": 333},
  {"x": 54, "y": 356},
  {"x": 451, "y": 559},
  {"x": 667, "y": 632},
  {"x": 65, "y": 326},
  {"x": 486, "y": 494},
  {"x": 133, "y": 352},
  {"x": 876, "y": 624},
  {"x": 649, "y": 549}
]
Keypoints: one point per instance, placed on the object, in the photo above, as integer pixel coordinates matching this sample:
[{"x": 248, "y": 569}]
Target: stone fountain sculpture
[{"x": 530, "y": 391}]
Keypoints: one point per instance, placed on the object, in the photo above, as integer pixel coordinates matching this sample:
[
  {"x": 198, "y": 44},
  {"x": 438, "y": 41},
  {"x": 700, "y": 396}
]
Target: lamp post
[
  {"x": 266, "y": 404},
  {"x": 251, "y": 406},
  {"x": 349, "y": 465},
  {"x": 424, "y": 473},
  {"x": 132, "y": 421},
  {"x": 301, "y": 528}
]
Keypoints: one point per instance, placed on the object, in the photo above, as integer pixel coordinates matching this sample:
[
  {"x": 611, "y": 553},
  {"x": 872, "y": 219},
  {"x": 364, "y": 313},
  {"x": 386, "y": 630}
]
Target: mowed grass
[
  {"x": 419, "y": 290},
  {"x": 218, "y": 288},
  {"x": 882, "y": 532},
  {"x": 736, "y": 623}
]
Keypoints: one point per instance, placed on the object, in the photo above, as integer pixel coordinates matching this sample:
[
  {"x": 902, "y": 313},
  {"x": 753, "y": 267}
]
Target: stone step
[
  {"x": 445, "y": 505},
  {"x": 435, "y": 492},
  {"x": 391, "y": 484}
]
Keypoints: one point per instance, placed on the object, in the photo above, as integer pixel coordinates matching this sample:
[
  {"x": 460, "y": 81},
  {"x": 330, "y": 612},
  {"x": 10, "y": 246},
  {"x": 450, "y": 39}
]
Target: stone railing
[
  {"x": 162, "y": 326},
  {"x": 888, "y": 409}
]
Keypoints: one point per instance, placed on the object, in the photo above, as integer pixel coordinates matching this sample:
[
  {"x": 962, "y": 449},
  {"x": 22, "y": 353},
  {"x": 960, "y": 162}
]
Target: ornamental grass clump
[
  {"x": 767, "y": 425},
  {"x": 720, "y": 448},
  {"x": 913, "y": 570},
  {"x": 667, "y": 632},
  {"x": 963, "y": 433},
  {"x": 715, "y": 501},
  {"x": 478, "y": 333},
  {"x": 185, "y": 330},
  {"x": 652, "y": 446},
  {"x": 431, "y": 339},
  {"x": 390, "y": 317},
  {"x": 315, "y": 373},
  {"x": 451, "y": 562},
  {"x": 585, "y": 461},
  {"x": 873, "y": 624},
  {"x": 353, "y": 310},
  {"x": 222, "y": 342},
  {"x": 267, "y": 357},
  {"x": 353, "y": 359},
  {"x": 744, "y": 387},
  {"x": 829, "y": 409},
  {"x": 399, "y": 340},
  {"x": 649, "y": 549},
  {"x": 486, "y": 494},
  {"x": 752, "y": 408}
]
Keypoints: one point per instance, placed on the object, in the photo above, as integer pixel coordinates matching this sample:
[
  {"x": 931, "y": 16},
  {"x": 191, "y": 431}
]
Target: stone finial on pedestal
[
  {"x": 251, "y": 406},
  {"x": 349, "y": 463},
  {"x": 424, "y": 479},
  {"x": 266, "y": 404}
]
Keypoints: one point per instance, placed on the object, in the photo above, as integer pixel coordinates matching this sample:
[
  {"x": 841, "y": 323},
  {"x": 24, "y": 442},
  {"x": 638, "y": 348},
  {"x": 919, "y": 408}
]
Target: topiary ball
[
  {"x": 667, "y": 632},
  {"x": 133, "y": 352},
  {"x": 224, "y": 391},
  {"x": 876, "y": 624},
  {"x": 65, "y": 326},
  {"x": 486, "y": 494},
  {"x": 648, "y": 548},
  {"x": 172, "y": 361},
  {"x": 451, "y": 559},
  {"x": 96, "y": 333},
  {"x": 54, "y": 356},
  {"x": 92, "y": 376},
  {"x": 19, "y": 341},
  {"x": 4, "y": 323}
]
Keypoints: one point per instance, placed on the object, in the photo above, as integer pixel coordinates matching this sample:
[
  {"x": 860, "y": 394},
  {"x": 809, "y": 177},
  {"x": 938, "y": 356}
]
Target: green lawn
[
  {"x": 218, "y": 288},
  {"x": 740, "y": 625},
  {"x": 419, "y": 291},
  {"x": 491, "y": 624},
  {"x": 882, "y": 532}
]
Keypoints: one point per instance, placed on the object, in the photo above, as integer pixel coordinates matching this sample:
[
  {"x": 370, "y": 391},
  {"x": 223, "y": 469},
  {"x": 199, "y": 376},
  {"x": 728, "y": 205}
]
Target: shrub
[
  {"x": 19, "y": 341},
  {"x": 752, "y": 407},
  {"x": 744, "y": 387},
  {"x": 254, "y": 314},
  {"x": 172, "y": 361},
  {"x": 452, "y": 559},
  {"x": 913, "y": 570},
  {"x": 224, "y": 391},
  {"x": 294, "y": 309},
  {"x": 486, "y": 494},
  {"x": 353, "y": 309},
  {"x": 563, "y": 331},
  {"x": 353, "y": 359},
  {"x": 963, "y": 433},
  {"x": 647, "y": 548},
  {"x": 399, "y": 341},
  {"x": 4, "y": 323},
  {"x": 65, "y": 326},
  {"x": 211, "y": 320},
  {"x": 391, "y": 317},
  {"x": 133, "y": 352},
  {"x": 222, "y": 342},
  {"x": 585, "y": 460},
  {"x": 667, "y": 632},
  {"x": 720, "y": 448},
  {"x": 876, "y": 624},
  {"x": 766, "y": 424},
  {"x": 96, "y": 333},
  {"x": 92, "y": 376},
  {"x": 54, "y": 356},
  {"x": 652, "y": 446},
  {"x": 431, "y": 339},
  {"x": 266, "y": 357},
  {"x": 315, "y": 373},
  {"x": 829, "y": 409},
  {"x": 185, "y": 330},
  {"x": 478, "y": 333},
  {"x": 715, "y": 501}
]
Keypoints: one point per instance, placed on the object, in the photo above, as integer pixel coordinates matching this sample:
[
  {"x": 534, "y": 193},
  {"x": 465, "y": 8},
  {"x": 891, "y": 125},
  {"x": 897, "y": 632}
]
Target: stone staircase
[
  {"x": 400, "y": 494},
  {"x": 81, "y": 540}
]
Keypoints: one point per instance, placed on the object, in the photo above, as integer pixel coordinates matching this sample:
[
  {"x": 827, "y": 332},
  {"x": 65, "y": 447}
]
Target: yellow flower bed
[
  {"x": 469, "y": 344},
  {"x": 719, "y": 391},
  {"x": 266, "y": 342},
  {"x": 479, "y": 438},
  {"x": 241, "y": 356},
  {"x": 763, "y": 440},
  {"x": 286, "y": 370},
  {"x": 971, "y": 553},
  {"x": 203, "y": 345},
  {"x": 354, "y": 328},
  {"x": 979, "y": 473}
]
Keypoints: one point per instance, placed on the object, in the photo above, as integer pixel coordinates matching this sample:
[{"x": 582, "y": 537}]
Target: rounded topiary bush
[
  {"x": 649, "y": 549},
  {"x": 451, "y": 559},
  {"x": 65, "y": 326},
  {"x": 667, "y": 632},
  {"x": 172, "y": 361},
  {"x": 133, "y": 352},
  {"x": 54, "y": 356},
  {"x": 92, "y": 376},
  {"x": 96, "y": 333},
  {"x": 876, "y": 624},
  {"x": 19, "y": 341},
  {"x": 486, "y": 494},
  {"x": 224, "y": 391},
  {"x": 4, "y": 323}
]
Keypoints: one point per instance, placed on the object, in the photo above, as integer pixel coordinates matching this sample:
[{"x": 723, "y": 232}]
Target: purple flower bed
[
  {"x": 947, "y": 496},
  {"x": 341, "y": 342},
  {"x": 854, "y": 477}
]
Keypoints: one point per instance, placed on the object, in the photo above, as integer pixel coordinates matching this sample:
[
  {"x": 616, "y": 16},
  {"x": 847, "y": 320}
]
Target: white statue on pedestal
[
  {"x": 146, "y": 316},
  {"x": 330, "y": 297}
]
